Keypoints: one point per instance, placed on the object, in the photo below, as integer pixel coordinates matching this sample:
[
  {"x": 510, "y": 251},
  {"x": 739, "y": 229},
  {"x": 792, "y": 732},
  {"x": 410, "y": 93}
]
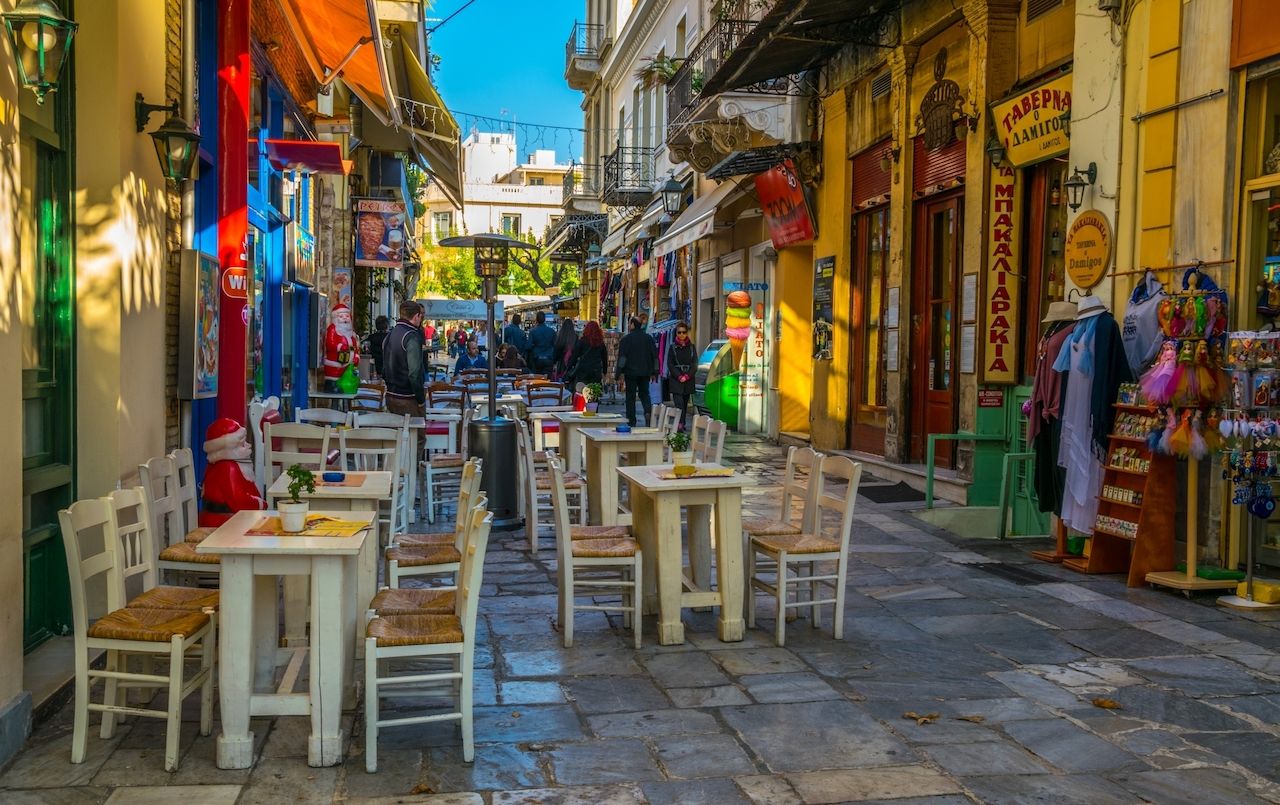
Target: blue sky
[{"x": 509, "y": 55}]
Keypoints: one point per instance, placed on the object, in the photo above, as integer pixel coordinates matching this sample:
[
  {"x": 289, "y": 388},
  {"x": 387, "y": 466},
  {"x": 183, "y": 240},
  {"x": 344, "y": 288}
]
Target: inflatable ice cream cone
[{"x": 737, "y": 323}]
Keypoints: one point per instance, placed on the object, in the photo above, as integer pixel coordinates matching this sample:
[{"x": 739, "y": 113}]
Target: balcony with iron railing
[
  {"x": 582, "y": 179},
  {"x": 686, "y": 103},
  {"x": 628, "y": 177},
  {"x": 583, "y": 54}
]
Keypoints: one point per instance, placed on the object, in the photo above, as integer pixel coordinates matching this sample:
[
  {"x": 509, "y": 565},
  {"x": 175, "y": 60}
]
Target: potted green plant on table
[
  {"x": 681, "y": 456},
  {"x": 592, "y": 394},
  {"x": 293, "y": 512}
]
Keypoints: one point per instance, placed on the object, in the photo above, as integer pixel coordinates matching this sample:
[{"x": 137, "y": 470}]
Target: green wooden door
[{"x": 48, "y": 412}]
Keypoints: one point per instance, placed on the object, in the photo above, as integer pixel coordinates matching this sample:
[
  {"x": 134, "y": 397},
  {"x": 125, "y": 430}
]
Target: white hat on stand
[{"x": 1089, "y": 307}]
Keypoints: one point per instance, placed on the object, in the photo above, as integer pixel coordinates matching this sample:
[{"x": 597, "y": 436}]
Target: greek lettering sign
[
  {"x": 1088, "y": 251},
  {"x": 785, "y": 210},
  {"x": 1032, "y": 125},
  {"x": 1000, "y": 306}
]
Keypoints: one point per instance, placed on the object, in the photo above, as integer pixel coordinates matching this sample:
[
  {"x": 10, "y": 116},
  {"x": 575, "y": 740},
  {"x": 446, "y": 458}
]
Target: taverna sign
[{"x": 1033, "y": 125}]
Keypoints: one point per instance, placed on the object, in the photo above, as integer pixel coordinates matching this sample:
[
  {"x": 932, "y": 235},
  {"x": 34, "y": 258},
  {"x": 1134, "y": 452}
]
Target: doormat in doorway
[{"x": 896, "y": 493}]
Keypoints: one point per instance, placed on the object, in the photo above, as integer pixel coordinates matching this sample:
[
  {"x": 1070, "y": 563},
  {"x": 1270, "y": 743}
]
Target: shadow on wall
[
  {"x": 125, "y": 235},
  {"x": 9, "y": 200}
]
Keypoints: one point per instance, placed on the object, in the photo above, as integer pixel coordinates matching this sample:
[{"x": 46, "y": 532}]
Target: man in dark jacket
[
  {"x": 637, "y": 365},
  {"x": 376, "y": 338},
  {"x": 402, "y": 362},
  {"x": 542, "y": 345},
  {"x": 515, "y": 335}
]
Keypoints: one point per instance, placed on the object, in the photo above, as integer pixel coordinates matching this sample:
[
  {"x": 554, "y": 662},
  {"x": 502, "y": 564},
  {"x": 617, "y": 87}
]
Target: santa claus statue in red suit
[
  {"x": 341, "y": 346},
  {"x": 228, "y": 483}
]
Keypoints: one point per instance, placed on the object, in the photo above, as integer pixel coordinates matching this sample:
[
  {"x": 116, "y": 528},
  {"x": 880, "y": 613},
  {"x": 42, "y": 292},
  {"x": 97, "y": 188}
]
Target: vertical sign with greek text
[{"x": 1000, "y": 307}]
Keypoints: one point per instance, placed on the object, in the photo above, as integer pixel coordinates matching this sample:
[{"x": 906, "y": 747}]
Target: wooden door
[
  {"x": 935, "y": 331},
  {"x": 871, "y": 272}
]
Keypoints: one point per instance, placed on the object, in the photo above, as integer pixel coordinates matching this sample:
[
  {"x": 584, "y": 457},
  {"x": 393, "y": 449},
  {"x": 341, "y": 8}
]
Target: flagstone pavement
[{"x": 967, "y": 673}]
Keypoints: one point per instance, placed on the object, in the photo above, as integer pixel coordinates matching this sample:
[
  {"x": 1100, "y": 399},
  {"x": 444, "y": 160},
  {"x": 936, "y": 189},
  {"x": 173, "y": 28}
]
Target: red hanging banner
[{"x": 785, "y": 210}]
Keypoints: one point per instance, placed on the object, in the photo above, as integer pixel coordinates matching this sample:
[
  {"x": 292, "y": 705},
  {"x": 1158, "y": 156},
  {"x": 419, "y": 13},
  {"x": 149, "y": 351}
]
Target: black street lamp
[
  {"x": 672, "y": 196},
  {"x": 1080, "y": 179},
  {"x": 177, "y": 144},
  {"x": 40, "y": 37}
]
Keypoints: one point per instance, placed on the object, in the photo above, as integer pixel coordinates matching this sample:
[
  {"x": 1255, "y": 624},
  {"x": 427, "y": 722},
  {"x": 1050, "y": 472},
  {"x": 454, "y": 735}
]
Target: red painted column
[{"x": 233, "y": 204}]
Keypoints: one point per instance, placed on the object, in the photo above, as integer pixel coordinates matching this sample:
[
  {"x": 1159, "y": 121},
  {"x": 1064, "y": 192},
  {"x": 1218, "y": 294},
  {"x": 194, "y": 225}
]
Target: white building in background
[{"x": 499, "y": 193}]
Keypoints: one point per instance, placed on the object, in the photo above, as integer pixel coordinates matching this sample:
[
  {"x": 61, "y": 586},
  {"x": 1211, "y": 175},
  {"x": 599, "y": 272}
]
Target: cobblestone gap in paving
[{"x": 1002, "y": 669}]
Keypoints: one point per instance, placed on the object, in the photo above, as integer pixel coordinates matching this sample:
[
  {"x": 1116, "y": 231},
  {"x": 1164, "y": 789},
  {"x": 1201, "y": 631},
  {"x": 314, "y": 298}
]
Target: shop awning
[
  {"x": 798, "y": 36},
  {"x": 344, "y": 34},
  {"x": 441, "y": 160},
  {"x": 308, "y": 156},
  {"x": 697, "y": 221},
  {"x": 613, "y": 241},
  {"x": 421, "y": 107}
]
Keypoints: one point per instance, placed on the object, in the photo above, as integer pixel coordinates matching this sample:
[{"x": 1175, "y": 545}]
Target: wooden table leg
[
  {"x": 596, "y": 483},
  {"x": 353, "y": 614},
  {"x": 235, "y": 661},
  {"x": 266, "y": 631},
  {"x": 328, "y": 653},
  {"x": 412, "y": 467},
  {"x": 366, "y": 586},
  {"x": 569, "y": 447},
  {"x": 645, "y": 530},
  {"x": 699, "y": 521},
  {"x": 670, "y": 566},
  {"x": 729, "y": 562}
]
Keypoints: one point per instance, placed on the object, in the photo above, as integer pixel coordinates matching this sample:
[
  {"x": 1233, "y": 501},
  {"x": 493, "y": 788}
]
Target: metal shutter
[
  {"x": 869, "y": 181},
  {"x": 939, "y": 167}
]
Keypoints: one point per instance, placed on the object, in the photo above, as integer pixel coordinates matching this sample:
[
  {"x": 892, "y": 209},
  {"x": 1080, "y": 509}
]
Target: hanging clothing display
[
  {"x": 1044, "y": 426},
  {"x": 1094, "y": 365}
]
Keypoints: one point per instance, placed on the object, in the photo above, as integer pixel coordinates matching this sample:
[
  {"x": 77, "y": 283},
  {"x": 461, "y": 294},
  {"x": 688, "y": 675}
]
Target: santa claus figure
[
  {"x": 341, "y": 346},
  {"x": 228, "y": 480}
]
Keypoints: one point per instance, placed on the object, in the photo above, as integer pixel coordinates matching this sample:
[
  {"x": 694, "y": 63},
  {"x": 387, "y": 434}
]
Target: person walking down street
[
  {"x": 682, "y": 361},
  {"x": 471, "y": 359},
  {"x": 589, "y": 361},
  {"x": 566, "y": 340},
  {"x": 542, "y": 345},
  {"x": 376, "y": 339},
  {"x": 402, "y": 360},
  {"x": 459, "y": 342},
  {"x": 637, "y": 366},
  {"x": 515, "y": 335}
]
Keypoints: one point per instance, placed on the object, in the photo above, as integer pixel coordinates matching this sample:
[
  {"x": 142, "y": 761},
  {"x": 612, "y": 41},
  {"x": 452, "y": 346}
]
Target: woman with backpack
[
  {"x": 566, "y": 340},
  {"x": 587, "y": 363}
]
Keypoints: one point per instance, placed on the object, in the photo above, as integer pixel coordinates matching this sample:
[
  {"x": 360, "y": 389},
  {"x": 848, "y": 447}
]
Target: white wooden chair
[
  {"x": 543, "y": 395},
  {"x": 175, "y": 534},
  {"x": 468, "y": 489},
  {"x": 260, "y": 410},
  {"x": 799, "y": 484},
  {"x": 435, "y": 556},
  {"x": 710, "y": 447},
  {"x": 414, "y": 638},
  {"x": 801, "y": 553},
  {"x": 443, "y": 468},
  {"x": 379, "y": 450},
  {"x": 670, "y": 422},
  {"x": 163, "y": 633},
  {"x": 590, "y": 567},
  {"x": 188, "y": 494},
  {"x": 322, "y": 416},
  {"x": 129, "y": 523},
  {"x": 300, "y": 443},
  {"x": 536, "y": 486}
]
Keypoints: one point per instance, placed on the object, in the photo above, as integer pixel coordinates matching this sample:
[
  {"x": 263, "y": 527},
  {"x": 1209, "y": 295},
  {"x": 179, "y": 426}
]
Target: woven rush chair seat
[
  {"x": 539, "y": 456},
  {"x": 571, "y": 481},
  {"x": 425, "y": 555},
  {"x": 197, "y": 535},
  {"x": 599, "y": 531},
  {"x": 764, "y": 527},
  {"x": 600, "y": 548},
  {"x": 186, "y": 552},
  {"x": 797, "y": 543},
  {"x": 446, "y": 459},
  {"x": 414, "y": 630},
  {"x": 187, "y": 599},
  {"x": 419, "y": 540},
  {"x": 413, "y": 601},
  {"x": 150, "y": 625}
]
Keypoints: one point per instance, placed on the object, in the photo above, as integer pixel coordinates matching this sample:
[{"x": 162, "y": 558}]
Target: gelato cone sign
[
  {"x": 737, "y": 323},
  {"x": 380, "y": 235}
]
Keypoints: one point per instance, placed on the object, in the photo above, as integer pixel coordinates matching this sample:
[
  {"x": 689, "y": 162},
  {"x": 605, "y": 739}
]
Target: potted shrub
[
  {"x": 681, "y": 455},
  {"x": 592, "y": 394},
  {"x": 657, "y": 70},
  {"x": 293, "y": 512}
]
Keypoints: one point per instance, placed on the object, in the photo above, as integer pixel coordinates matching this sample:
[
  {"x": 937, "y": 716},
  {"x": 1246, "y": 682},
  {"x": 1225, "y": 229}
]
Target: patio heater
[{"x": 493, "y": 438}]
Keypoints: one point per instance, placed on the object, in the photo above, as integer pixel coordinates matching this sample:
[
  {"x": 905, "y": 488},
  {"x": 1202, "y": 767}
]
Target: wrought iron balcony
[
  {"x": 582, "y": 54},
  {"x": 685, "y": 98},
  {"x": 628, "y": 177},
  {"x": 582, "y": 180}
]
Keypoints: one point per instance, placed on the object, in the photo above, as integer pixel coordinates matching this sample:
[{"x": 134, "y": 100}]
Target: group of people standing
[{"x": 564, "y": 355}]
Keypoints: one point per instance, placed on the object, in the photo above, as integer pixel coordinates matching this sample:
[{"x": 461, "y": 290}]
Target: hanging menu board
[{"x": 824, "y": 276}]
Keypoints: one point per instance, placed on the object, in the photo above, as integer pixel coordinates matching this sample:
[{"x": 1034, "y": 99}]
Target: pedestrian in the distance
[
  {"x": 542, "y": 345},
  {"x": 471, "y": 359},
  {"x": 589, "y": 361},
  {"x": 682, "y": 362},
  {"x": 514, "y": 335},
  {"x": 637, "y": 366},
  {"x": 376, "y": 339},
  {"x": 566, "y": 340},
  {"x": 402, "y": 360},
  {"x": 510, "y": 358}
]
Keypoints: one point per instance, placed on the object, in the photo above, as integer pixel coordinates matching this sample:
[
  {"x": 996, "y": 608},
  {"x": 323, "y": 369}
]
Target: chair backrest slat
[
  {"x": 842, "y": 503},
  {"x": 372, "y": 449},
  {"x": 471, "y": 570},
  {"x": 79, "y": 522},
  {"x": 321, "y": 416},
  {"x": 801, "y": 486},
  {"x": 160, "y": 486},
  {"x": 713, "y": 438},
  {"x": 129, "y": 522},
  {"x": 560, "y": 511},
  {"x": 188, "y": 489},
  {"x": 306, "y": 445}
]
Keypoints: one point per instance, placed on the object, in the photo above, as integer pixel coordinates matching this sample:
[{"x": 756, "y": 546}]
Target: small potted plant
[
  {"x": 681, "y": 456},
  {"x": 293, "y": 512},
  {"x": 592, "y": 394}
]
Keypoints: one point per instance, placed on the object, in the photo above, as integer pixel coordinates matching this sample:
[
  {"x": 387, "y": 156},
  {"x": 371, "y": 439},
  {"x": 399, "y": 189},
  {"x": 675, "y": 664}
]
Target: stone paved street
[{"x": 1000, "y": 658}]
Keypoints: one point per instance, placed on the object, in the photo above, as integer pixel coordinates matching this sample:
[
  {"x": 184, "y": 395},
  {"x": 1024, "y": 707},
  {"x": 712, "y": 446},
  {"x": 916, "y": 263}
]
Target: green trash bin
[{"x": 722, "y": 399}]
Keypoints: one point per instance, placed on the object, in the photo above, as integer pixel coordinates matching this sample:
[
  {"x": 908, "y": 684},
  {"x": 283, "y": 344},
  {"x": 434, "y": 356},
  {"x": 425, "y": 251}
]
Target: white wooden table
[
  {"x": 570, "y": 421},
  {"x": 249, "y": 618},
  {"x": 376, "y": 487},
  {"x": 655, "y": 513},
  {"x": 605, "y": 449}
]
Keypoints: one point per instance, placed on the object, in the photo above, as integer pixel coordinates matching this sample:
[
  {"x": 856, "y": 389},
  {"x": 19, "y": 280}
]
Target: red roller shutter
[
  {"x": 869, "y": 181},
  {"x": 940, "y": 167}
]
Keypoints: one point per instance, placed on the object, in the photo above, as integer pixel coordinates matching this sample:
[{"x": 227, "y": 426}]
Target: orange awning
[{"x": 329, "y": 31}]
